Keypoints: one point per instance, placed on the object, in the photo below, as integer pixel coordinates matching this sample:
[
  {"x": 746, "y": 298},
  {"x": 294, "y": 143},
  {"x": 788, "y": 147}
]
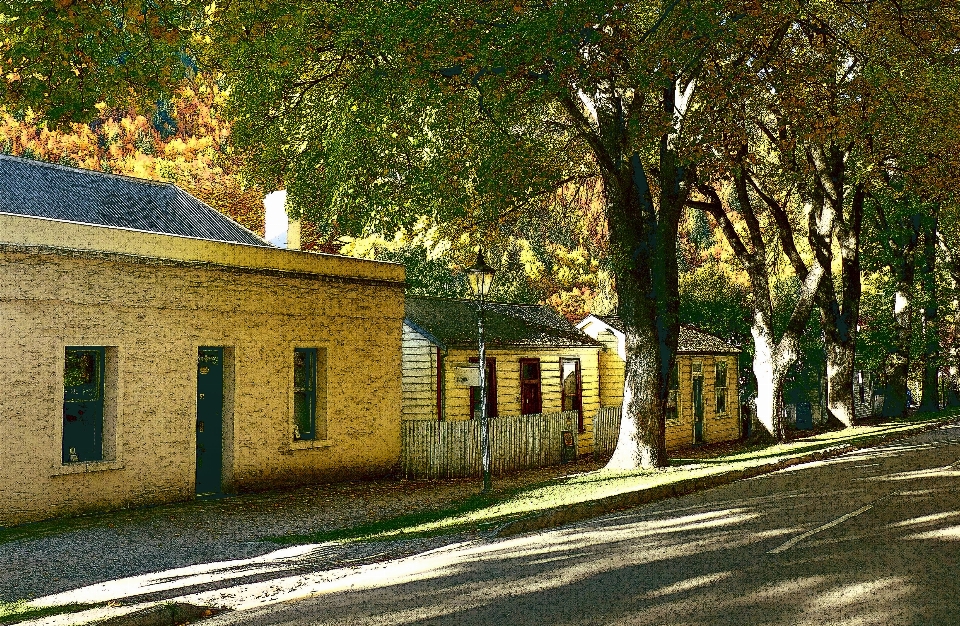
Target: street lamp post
[{"x": 481, "y": 278}]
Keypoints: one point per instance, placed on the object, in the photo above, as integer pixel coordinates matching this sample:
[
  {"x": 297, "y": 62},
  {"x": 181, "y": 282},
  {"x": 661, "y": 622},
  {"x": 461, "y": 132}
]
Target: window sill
[
  {"x": 87, "y": 467},
  {"x": 310, "y": 444}
]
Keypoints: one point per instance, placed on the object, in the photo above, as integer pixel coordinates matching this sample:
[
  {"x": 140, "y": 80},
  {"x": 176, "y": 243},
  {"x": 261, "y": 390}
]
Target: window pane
[
  {"x": 721, "y": 401},
  {"x": 571, "y": 390},
  {"x": 301, "y": 415},
  {"x": 79, "y": 368},
  {"x": 82, "y": 405},
  {"x": 721, "y": 379},
  {"x": 530, "y": 371},
  {"x": 304, "y": 393}
]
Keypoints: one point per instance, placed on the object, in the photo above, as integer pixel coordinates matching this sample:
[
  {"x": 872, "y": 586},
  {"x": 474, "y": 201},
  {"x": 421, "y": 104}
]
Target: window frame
[
  {"x": 95, "y": 392},
  {"x": 673, "y": 395},
  {"x": 321, "y": 436},
  {"x": 491, "y": 373},
  {"x": 527, "y": 383},
  {"x": 721, "y": 390},
  {"x": 309, "y": 389}
]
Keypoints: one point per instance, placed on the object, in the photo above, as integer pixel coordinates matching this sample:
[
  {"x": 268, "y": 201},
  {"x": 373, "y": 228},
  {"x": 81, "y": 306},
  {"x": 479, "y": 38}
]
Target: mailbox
[{"x": 467, "y": 376}]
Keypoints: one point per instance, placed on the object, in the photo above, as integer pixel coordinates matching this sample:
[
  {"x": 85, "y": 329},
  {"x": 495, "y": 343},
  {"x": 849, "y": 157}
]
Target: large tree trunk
[
  {"x": 643, "y": 258},
  {"x": 841, "y": 371},
  {"x": 641, "y": 442},
  {"x": 839, "y": 317},
  {"x": 897, "y": 367},
  {"x": 772, "y": 357},
  {"x": 770, "y": 368}
]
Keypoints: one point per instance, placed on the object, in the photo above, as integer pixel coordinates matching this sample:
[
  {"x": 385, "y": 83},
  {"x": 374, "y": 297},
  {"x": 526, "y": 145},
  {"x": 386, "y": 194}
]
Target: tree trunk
[
  {"x": 841, "y": 372},
  {"x": 930, "y": 394},
  {"x": 643, "y": 239},
  {"x": 839, "y": 317},
  {"x": 898, "y": 361},
  {"x": 641, "y": 442},
  {"x": 770, "y": 368}
]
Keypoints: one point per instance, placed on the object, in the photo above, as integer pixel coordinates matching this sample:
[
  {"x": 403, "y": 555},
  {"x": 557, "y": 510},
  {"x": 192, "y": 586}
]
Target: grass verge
[
  {"x": 21, "y": 610},
  {"x": 479, "y": 513}
]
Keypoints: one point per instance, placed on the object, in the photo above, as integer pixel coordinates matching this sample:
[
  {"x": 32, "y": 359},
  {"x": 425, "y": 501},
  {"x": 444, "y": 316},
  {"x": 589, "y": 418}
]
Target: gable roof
[
  {"x": 39, "y": 189},
  {"x": 453, "y": 324},
  {"x": 691, "y": 340}
]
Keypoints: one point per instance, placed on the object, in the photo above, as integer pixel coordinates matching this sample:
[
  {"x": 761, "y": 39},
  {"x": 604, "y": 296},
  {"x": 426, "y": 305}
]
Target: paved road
[{"x": 872, "y": 537}]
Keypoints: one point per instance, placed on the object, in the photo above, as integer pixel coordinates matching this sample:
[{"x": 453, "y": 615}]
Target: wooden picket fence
[
  {"x": 451, "y": 449},
  {"x": 606, "y": 429}
]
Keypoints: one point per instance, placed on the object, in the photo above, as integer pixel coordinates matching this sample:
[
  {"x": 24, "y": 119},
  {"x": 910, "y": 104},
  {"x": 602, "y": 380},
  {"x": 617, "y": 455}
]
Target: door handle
[{"x": 199, "y": 426}]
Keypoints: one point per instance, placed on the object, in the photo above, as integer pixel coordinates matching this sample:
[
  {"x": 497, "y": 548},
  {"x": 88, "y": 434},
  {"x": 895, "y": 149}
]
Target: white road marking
[{"x": 789, "y": 544}]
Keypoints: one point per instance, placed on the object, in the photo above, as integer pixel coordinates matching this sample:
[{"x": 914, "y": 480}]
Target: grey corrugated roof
[
  {"x": 41, "y": 189},
  {"x": 453, "y": 323},
  {"x": 691, "y": 340}
]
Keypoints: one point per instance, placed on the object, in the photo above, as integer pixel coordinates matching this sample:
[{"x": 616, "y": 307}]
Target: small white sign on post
[{"x": 467, "y": 376}]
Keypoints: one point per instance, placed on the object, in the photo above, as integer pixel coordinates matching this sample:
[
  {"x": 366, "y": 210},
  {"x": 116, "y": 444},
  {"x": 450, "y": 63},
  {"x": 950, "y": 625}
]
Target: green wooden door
[
  {"x": 209, "y": 420},
  {"x": 83, "y": 404},
  {"x": 698, "y": 409}
]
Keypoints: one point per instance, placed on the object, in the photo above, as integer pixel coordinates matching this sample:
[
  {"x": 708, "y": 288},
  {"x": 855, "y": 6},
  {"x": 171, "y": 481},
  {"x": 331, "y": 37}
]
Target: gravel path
[{"x": 207, "y": 535}]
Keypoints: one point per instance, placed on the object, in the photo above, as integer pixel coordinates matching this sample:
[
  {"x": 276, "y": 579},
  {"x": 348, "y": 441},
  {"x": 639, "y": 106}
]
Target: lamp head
[{"x": 481, "y": 276}]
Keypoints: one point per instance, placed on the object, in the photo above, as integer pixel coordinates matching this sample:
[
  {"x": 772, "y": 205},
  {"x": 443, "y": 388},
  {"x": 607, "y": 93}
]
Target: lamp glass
[{"x": 480, "y": 276}]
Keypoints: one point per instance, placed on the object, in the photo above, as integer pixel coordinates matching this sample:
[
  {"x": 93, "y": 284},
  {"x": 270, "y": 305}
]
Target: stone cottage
[{"x": 153, "y": 349}]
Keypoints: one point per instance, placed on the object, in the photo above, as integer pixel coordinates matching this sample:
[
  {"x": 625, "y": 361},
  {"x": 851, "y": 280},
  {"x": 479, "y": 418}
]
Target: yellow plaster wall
[{"x": 156, "y": 317}]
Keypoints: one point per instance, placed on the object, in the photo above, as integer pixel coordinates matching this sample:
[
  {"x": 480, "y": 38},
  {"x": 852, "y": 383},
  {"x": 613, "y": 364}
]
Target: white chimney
[{"x": 278, "y": 229}]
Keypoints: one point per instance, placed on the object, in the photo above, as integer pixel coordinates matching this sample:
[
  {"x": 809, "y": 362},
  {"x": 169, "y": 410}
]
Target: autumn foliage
[{"x": 181, "y": 141}]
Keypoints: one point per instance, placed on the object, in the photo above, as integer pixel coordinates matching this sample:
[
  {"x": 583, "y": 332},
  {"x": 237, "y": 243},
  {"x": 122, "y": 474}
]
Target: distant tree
[{"x": 126, "y": 141}]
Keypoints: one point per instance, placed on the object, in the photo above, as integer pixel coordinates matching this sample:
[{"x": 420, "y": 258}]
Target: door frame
[{"x": 577, "y": 372}]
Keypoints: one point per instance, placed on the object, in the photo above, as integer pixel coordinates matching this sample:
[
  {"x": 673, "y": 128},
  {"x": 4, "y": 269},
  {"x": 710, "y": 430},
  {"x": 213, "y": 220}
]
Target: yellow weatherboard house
[
  {"x": 703, "y": 406},
  {"x": 537, "y": 362},
  {"x": 153, "y": 350}
]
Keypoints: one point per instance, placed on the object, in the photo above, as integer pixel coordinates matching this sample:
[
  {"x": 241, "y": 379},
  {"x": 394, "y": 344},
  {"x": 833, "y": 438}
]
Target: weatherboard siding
[
  {"x": 457, "y": 397},
  {"x": 679, "y": 432},
  {"x": 419, "y": 366},
  {"x": 611, "y": 371}
]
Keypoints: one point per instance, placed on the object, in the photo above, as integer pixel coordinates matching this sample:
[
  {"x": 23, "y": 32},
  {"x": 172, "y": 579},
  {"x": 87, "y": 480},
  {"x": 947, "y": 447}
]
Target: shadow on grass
[
  {"x": 21, "y": 611},
  {"x": 408, "y": 526}
]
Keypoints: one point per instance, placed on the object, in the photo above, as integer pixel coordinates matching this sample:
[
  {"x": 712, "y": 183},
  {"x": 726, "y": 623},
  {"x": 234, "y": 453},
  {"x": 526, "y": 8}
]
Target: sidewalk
[{"x": 47, "y": 558}]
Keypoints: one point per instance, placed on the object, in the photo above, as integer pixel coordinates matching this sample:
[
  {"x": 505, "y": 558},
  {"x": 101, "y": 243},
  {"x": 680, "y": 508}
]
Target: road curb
[
  {"x": 162, "y": 614},
  {"x": 554, "y": 518}
]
